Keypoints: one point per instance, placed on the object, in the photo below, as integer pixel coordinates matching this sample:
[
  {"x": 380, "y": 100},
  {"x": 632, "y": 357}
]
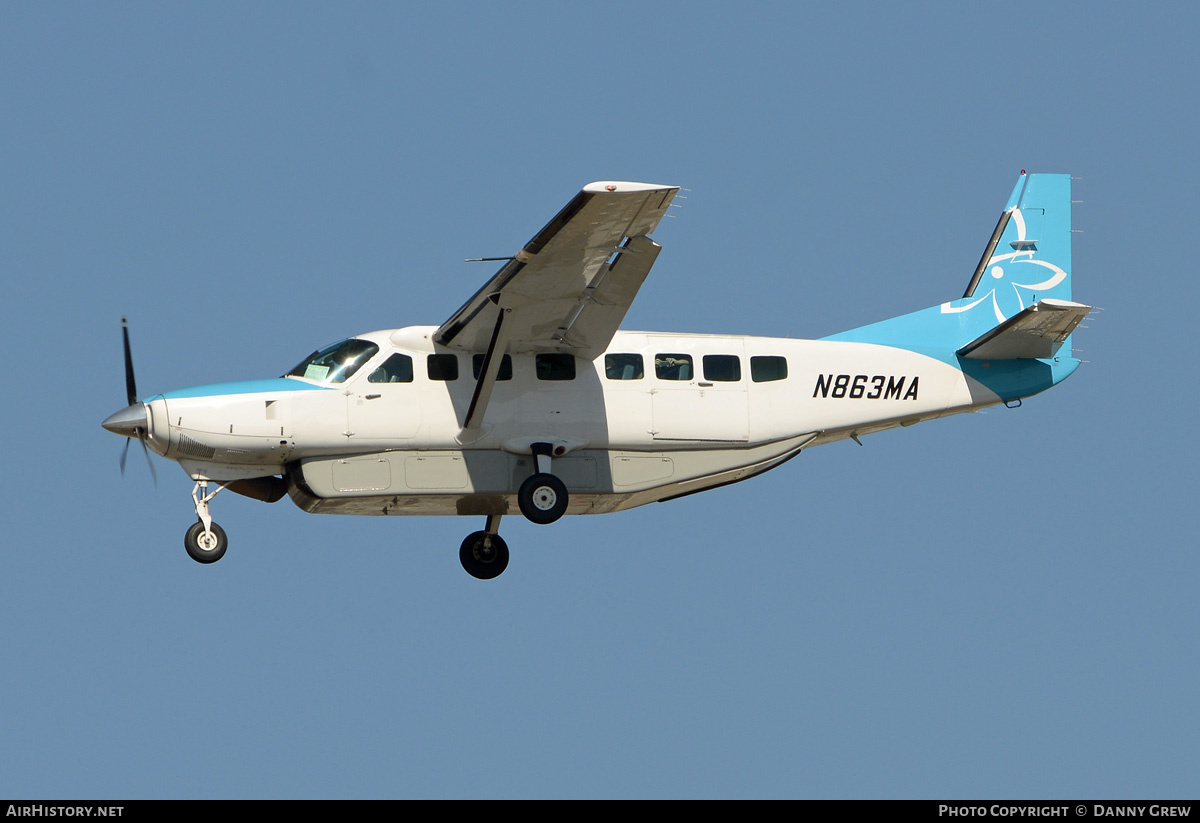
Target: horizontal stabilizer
[{"x": 1036, "y": 332}]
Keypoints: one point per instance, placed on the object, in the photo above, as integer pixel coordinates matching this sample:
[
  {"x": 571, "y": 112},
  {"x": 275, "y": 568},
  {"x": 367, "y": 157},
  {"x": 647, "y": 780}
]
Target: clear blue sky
[{"x": 995, "y": 605}]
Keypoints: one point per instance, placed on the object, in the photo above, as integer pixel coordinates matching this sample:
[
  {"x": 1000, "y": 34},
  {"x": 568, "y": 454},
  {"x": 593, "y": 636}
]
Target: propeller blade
[
  {"x": 130, "y": 383},
  {"x": 149, "y": 462},
  {"x": 124, "y": 454}
]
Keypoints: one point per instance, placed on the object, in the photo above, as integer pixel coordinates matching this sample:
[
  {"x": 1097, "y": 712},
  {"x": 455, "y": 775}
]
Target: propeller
[{"x": 132, "y": 420}]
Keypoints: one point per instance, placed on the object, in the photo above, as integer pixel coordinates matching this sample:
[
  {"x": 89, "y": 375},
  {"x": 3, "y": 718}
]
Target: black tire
[
  {"x": 194, "y": 542},
  {"x": 542, "y": 498},
  {"x": 484, "y": 555}
]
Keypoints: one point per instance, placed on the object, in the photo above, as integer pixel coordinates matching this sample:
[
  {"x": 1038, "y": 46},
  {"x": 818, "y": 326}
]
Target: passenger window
[
  {"x": 673, "y": 366},
  {"x": 505, "y": 372},
  {"x": 555, "y": 366},
  {"x": 396, "y": 369},
  {"x": 722, "y": 368},
  {"x": 443, "y": 367},
  {"x": 766, "y": 368},
  {"x": 623, "y": 367}
]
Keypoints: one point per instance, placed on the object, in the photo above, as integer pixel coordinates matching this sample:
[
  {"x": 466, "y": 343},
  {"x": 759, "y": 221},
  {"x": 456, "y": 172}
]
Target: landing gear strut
[
  {"x": 485, "y": 554},
  {"x": 205, "y": 541}
]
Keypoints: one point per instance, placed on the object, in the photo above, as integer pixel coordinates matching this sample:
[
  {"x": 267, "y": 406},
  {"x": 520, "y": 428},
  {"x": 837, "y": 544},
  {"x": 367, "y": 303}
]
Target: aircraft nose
[{"x": 128, "y": 421}]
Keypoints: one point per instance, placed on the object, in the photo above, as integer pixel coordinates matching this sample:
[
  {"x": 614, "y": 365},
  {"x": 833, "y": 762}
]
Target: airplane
[{"x": 529, "y": 399}]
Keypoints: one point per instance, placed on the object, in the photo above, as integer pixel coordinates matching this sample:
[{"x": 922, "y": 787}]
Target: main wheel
[
  {"x": 542, "y": 498},
  {"x": 484, "y": 555},
  {"x": 205, "y": 548}
]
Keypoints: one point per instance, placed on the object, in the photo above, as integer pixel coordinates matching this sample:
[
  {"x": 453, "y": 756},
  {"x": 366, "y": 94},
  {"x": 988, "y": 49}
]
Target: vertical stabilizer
[
  {"x": 1029, "y": 255},
  {"x": 1027, "y": 259}
]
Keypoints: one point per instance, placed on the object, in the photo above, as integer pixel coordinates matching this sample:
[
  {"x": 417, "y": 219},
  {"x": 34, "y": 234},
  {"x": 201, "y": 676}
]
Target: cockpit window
[{"x": 335, "y": 363}]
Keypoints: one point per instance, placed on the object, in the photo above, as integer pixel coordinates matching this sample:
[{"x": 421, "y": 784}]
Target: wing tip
[{"x": 603, "y": 186}]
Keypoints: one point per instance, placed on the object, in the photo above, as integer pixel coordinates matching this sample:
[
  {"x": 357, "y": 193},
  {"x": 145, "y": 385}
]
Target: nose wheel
[{"x": 205, "y": 545}]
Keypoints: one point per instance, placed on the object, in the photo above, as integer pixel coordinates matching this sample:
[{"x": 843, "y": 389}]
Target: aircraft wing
[{"x": 568, "y": 289}]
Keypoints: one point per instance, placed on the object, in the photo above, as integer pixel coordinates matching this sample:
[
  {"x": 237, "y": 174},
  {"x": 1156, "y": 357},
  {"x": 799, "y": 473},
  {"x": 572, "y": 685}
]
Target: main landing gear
[
  {"x": 542, "y": 498},
  {"x": 205, "y": 541},
  {"x": 485, "y": 554}
]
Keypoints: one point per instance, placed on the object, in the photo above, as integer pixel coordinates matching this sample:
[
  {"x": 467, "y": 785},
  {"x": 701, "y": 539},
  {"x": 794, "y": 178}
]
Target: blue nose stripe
[{"x": 275, "y": 384}]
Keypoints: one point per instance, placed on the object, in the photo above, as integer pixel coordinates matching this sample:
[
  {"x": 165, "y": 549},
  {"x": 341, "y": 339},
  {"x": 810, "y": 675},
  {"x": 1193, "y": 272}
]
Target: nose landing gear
[{"x": 205, "y": 541}]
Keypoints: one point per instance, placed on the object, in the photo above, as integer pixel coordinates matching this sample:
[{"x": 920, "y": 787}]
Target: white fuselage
[{"x": 699, "y": 411}]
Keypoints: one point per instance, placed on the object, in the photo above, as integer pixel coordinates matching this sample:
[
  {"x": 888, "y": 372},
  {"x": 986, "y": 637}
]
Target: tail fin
[
  {"x": 1026, "y": 260},
  {"x": 1029, "y": 255}
]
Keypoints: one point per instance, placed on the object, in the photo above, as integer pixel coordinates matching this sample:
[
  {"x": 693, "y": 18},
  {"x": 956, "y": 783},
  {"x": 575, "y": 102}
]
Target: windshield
[{"x": 335, "y": 363}]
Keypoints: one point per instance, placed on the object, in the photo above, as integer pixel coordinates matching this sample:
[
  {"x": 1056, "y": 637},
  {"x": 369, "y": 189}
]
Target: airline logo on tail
[{"x": 1009, "y": 298}]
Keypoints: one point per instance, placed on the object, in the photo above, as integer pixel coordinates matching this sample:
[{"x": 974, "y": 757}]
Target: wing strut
[{"x": 490, "y": 369}]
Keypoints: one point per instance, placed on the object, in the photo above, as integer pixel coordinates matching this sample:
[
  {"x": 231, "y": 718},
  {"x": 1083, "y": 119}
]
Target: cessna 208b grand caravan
[{"x": 529, "y": 399}]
